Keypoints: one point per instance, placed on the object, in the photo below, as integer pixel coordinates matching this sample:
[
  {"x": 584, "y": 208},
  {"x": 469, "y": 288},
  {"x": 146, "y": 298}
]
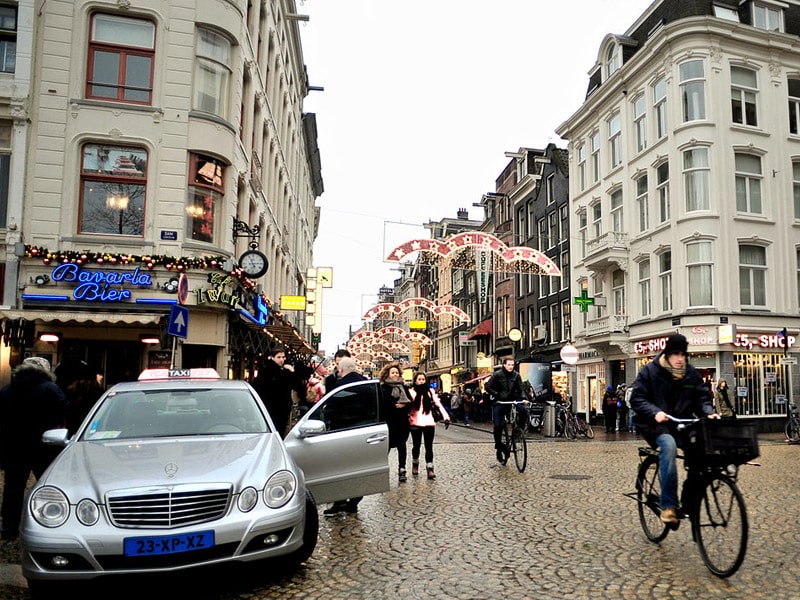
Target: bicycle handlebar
[{"x": 512, "y": 401}]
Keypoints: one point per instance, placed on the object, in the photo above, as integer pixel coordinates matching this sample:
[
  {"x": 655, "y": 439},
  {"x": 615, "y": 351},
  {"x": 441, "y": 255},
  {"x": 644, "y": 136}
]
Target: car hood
[{"x": 91, "y": 469}]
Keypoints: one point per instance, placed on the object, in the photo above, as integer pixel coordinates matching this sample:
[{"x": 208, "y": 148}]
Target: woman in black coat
[{"x": 397, "y": 402}]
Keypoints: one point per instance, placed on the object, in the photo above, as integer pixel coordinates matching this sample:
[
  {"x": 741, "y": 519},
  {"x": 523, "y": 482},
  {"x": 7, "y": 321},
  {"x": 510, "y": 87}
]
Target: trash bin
[{"x": 549, "y": 426}]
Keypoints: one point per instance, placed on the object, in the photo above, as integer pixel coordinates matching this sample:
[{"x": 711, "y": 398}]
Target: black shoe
[
  {"x": 500, "y": 457},
  {"x": 351, "y": 506},
  {"x": 335, "y": 509}
]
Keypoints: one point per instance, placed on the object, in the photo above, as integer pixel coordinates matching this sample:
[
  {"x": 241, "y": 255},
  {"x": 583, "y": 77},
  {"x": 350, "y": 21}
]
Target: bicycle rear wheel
[
  {"x": 648, "y": 492},
  {"x": 720, "y": 526},
  {"x": 520, "y": 449},
  {"x": 588, "y": 431},
  {"x": 570, "y": 431}
]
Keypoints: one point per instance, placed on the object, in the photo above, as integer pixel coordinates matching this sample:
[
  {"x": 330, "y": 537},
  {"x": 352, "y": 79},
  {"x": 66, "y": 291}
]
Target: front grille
[{"x": 168, "y": 507}]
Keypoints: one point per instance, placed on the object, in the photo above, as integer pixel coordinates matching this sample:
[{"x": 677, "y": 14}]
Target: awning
[
  {"x": 478, "y": 378},
  {"x": 484, "y": 328},
  {"x": 289, "y": 337},
  {"x": 57, "y": 316}
]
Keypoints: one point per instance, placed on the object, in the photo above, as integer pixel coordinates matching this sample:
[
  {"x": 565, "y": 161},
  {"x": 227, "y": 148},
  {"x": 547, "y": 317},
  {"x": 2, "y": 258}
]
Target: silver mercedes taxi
[{"x": 183, "y": 469}]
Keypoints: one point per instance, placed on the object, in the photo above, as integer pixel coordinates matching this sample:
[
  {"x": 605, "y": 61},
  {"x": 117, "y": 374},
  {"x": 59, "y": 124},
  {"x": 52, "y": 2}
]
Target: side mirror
[
  {"x": 311, "y": 428},
  {"x": 55, "y": 437}
]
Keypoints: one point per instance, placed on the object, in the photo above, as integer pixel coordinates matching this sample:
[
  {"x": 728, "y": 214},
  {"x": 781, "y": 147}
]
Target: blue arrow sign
[{"x": 178, "y": 321}]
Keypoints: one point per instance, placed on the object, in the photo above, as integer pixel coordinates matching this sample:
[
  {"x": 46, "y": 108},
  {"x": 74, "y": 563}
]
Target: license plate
[{"x": 168, "y": 544}]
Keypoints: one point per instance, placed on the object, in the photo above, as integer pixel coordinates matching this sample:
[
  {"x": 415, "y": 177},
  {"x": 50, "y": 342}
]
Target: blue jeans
[
  {"x": 668, "y": 470},
  {"x": 499, "y": 412}
]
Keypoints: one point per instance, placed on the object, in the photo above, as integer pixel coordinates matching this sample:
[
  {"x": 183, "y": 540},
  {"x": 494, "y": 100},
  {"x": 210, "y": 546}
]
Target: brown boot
[
  {"x": 431, "y": 474},
  {"x": 415, "y": 467}
]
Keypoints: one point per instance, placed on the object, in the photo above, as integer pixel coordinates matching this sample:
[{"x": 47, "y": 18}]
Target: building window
[
  {"x": 597, "y": 220},
  {"x": 121, "y": 57},
  {"x": 767, "y": 17},
  {"x": 640, "y": 122},
  {"x": 582, "y": 167},
  {"x": 752, "y": 276},
  {"x": 723, "y": 12},
  {"x": 595, "y": 148},
  {"x": 564, "y": 226},
  {"x": 798, "y": 276},
  {"x": 521, "y": 225},
  {"x": 794, "y": 105},
  {"x": 212, "y": 73},
  {"x": 583, "y": 228},
  {"x": 700, "y": 271},
  {"x": 660, "y": 107},
  {"x": 665, "y": 278},
  {"x": 206, "y": 190},
  {"x": 5, "y": 168},
  {"x": 693, "y": 90},
  {"x": 8, "y": 38},
  {"x": 618, "y": 291},
  {"x": 642, "y": 204},
  {"x": 542, "y": 234},
  {"x": 644, "y": 288},
  {"x": 113, "y": 190},
  {"x": 615, "y": 140},
  {"x": 544, "y": 285},
  {"x": 530, "y": 232},
  {"x": 748, "y": 184},
  {"x": 617, "y": 216},
  {"x": 565, "y": 270},
  {"x": 597, "y": 282},
  {"x": 744, "y": 93},
  {"x": 553, "y": 229},
  {"x": 565, "y": 320},
  {"x": 555, "y": 323},
  {"x": 796, "y": 189},
  {"x": 696, "y": 176},
  {"x": 613, "y": 61},
  {"x": 662, "y": 189},
  {"x": 551, "y": 195}
]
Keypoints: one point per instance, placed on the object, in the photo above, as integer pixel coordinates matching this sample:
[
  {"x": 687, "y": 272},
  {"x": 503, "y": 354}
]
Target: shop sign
[
  {"x": 775, "y": 341},
  {"x": 217, "y": 293},
  {"x": 101, "y": 286}
]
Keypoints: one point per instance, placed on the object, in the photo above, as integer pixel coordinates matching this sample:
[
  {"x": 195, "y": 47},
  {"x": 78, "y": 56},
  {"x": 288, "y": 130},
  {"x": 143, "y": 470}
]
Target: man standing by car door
[{"x": 347, "y": 373}]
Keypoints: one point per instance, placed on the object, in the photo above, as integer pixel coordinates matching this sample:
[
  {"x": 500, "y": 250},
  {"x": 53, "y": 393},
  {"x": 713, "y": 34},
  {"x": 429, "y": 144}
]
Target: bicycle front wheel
[
  {"x": 520, "y": 449},
  {"x": 570, "y": 432},
  {"x": 792, "y": 432},
  {"x": 588, "y": 431},
  {"x": 648, "y": 492},
  {"x": 719, "y": 523}
]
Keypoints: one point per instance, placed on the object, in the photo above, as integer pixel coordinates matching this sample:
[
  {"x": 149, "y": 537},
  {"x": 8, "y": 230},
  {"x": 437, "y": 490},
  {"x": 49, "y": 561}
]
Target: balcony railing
[
  {"x": 613, "y": 240},
  {"x": 608, "y": 324}
]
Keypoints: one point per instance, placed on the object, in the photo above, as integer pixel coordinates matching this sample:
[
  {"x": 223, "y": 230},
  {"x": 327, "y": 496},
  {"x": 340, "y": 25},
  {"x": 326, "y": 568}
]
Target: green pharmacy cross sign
[{"x": 584, "y": 301}]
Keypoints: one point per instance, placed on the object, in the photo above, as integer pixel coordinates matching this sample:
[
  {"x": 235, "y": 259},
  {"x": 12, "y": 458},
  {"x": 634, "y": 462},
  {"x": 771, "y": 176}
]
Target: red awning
[{"x": 482, "y": 328}]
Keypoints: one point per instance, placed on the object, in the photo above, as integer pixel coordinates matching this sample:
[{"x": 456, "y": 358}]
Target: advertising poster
[{"x": 536, "y": 379}]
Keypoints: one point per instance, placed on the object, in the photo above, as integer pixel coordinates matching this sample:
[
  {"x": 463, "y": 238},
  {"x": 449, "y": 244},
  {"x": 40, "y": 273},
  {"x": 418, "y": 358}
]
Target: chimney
[{"x": 463, "y": 214}]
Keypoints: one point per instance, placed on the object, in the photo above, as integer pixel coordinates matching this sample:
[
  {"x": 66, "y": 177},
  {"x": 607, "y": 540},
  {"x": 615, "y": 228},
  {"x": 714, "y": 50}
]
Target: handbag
[{"x": 437, "y": 413}]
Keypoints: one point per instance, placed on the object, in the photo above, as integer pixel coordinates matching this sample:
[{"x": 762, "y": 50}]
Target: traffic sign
[
  {"x": 788, "y": 360},
  {"x": 178, "y": 321},
  {"x": 569, "y": 354}
]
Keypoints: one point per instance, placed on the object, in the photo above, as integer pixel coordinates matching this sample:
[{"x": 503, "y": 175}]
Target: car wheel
[{"x": 310, "y": 534}]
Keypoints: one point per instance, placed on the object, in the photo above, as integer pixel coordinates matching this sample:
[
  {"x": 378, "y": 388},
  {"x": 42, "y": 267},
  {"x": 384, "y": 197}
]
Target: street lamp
[{"x": 118, "y": 202}]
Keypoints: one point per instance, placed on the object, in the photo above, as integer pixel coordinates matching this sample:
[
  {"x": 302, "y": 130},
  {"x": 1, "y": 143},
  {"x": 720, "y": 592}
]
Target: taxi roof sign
[{"x": 168, "y": 374}]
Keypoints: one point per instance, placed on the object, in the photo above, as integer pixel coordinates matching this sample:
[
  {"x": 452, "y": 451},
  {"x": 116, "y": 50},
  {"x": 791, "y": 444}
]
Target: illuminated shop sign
[
  {"x": 101, "y": 286},
  {"x": 700, "y": 336},
  {"x": 217, "y": 293}
]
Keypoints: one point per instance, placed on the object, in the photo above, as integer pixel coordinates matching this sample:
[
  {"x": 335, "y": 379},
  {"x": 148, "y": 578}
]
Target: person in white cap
[{"x": 30, "y": 405}]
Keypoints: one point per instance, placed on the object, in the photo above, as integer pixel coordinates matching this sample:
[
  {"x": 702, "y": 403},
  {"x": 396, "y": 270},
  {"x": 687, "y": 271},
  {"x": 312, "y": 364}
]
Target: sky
[{"x": 421, "y": 101}]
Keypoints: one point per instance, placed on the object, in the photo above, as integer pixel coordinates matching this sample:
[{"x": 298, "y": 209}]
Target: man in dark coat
[
  {"x": 30, "y": 405},
  {"x": 275, "y": 382},
  {"x": 669, "y": 386},
  {"x": 348, "y": 373},
  {"x": 333, "y": 376},
  {"x": 505, "y": 385}
]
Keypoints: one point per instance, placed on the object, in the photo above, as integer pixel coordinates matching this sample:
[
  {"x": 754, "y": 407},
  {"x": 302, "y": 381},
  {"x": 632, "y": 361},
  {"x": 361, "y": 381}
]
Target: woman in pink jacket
[{"x": 422, "y": 422}]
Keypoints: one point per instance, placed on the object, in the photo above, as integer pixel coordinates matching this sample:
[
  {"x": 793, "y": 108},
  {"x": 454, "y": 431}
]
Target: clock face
[{"x": 253, "y": 263}]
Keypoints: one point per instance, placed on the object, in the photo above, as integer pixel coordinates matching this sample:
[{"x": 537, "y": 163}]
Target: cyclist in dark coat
[
  {"x": 669, "y": 385},
  {"x": 505, "y": 385}
]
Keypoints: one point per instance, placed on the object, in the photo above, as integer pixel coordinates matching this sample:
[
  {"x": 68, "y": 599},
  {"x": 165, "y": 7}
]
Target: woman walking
[
  {"x": 724, "y": 401},
  {"x": 423, "y": 425},
  {"x": 397, "y": 402}
]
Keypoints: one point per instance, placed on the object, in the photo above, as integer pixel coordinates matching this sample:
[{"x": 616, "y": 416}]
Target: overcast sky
[{"x": 421, "y": 100}]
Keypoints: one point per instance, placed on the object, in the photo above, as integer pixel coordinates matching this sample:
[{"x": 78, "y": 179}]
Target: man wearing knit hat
[{"x": 669, "y": 386}]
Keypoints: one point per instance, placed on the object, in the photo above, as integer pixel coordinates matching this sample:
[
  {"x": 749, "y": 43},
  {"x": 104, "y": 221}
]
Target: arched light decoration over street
[
  {"x": 516, "y": 259},
  {"x": 411, "y": 303}
]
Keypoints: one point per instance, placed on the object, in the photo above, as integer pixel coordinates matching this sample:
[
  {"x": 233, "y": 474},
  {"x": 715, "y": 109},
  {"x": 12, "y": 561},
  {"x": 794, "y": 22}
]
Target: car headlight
[
  {"x": 49, "y": 506},
  {"x": 279, "y": 489},
  {"x": 247, "y": 499},
  {"x": 87, "y": 512}
]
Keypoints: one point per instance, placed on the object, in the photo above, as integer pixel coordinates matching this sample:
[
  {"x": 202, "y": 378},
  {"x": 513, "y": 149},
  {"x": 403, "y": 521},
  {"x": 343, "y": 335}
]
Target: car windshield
[{"x": 175, "y": 412}]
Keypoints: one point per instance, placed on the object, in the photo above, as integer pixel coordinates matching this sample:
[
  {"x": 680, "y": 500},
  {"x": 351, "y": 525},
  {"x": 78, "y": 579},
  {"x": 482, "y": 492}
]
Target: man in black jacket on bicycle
[
  {"x": 669, "y": 385},
  {"x": 505, "y": 385}
]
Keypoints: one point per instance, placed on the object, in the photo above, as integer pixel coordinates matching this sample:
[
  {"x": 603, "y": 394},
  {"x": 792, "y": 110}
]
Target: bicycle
[
  {"x": 513, "y": 434},
  {"x": 793, "y": 425},
  {"x": 709, "y": 498},
  {"x": 574, "y": 426}
]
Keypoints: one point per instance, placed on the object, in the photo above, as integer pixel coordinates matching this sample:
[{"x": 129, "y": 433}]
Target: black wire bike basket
[{"x": 721, "y": 441}]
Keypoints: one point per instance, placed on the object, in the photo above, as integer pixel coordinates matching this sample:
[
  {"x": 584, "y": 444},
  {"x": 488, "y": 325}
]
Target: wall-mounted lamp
[
  {"x": 41, "y": 279},
  {"x": 49, "y": 337},
  {"x": 150, "y": 339},
  {"x": 170, "y": 286}
]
